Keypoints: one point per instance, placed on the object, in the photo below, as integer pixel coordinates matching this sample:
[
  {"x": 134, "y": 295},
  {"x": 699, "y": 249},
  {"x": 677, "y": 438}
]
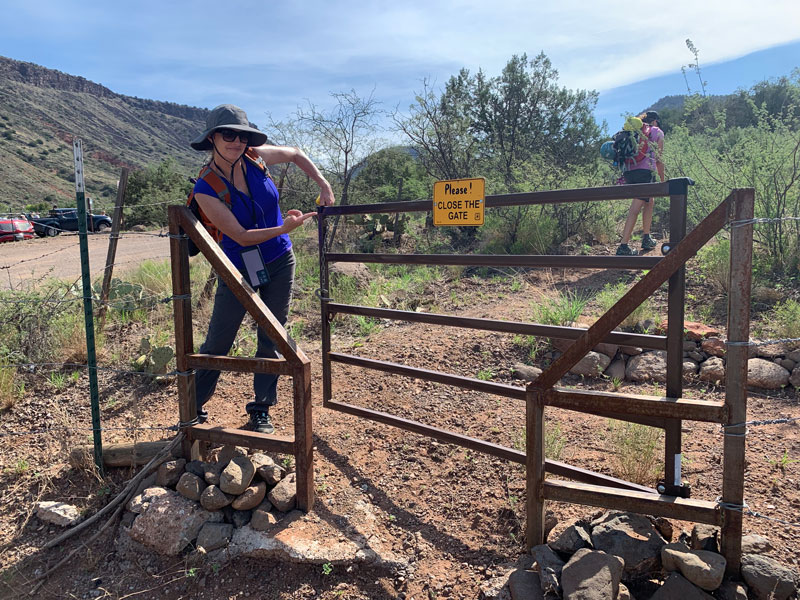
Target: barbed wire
[
  {"x": 56, "y": 366},
  {"x": 759, "y": 221},
  {"x": 36, "y": 258},
  {"x": 764, "y": 342},
  {"x": 745, "y": 510},
  {"x": 92, "y": 429}
]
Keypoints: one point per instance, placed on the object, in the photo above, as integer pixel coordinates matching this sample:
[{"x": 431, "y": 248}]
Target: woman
[
  {"x": 644, "y": 171},
  {"x": 253, "y": 219}
]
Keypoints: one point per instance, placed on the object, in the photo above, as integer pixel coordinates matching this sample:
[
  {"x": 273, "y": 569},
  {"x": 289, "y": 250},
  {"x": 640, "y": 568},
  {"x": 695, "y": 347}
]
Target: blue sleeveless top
[{"x": 259, "y": 212}]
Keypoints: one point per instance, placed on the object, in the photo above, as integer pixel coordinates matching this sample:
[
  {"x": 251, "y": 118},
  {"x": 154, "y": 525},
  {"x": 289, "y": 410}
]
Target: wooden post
[
  {"x": 736, "y": 379},
  {"x": 303, "y": 437},
  {"x": 182, "y": 309},
  {"x": 116, "y": 224},
  {"x": 676, "y": 295},
  {"x": 534, "y": 466}
]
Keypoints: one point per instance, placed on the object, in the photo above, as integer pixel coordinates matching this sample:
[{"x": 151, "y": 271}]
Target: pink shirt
[{"x": 654, "y": 136}]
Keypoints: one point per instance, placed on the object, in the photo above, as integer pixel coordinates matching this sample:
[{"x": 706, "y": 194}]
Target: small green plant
[
  {"x": 327, "y": 568},
  {"x": 784, "y": 461},
  {"x": 787, "y": 319},
  {"x": 562, "y": 310},
  {"x": 153, "y": 359},
  {"x": 485, "y": 374},
  {"x": 21, "y": 467},
  {"x": 610, "y": 295},
  {"x": 616, "y": 383},
  {"x": 74, "y": 376},
  {"x": 58, "y": 380},
  {"x": 367, "y": 325},
  {"x": 637, "y": 451},
  {"x": 714, "y": 260},
  {"x": 191, "y": 572},
  {"x": 215, "y": 568}
]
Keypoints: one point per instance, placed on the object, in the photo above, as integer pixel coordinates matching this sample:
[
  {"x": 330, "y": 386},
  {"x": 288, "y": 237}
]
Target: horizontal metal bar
[
  {"x": 239, "y": 437},
  {"x": 551, "y": 466},
  {"x": 278, "y": 366},
  {"x": 655, "y": 342},
  {"x": 672, "y": 507},
  {"x": 467, "y": 383},
  {"x": 440, "y": 434},
  {"x": 585, "y": 476},
  {"x": 492, "y": 260},
  {"x": 614, "y": 192},
  {"x": 605, "y": 403}
]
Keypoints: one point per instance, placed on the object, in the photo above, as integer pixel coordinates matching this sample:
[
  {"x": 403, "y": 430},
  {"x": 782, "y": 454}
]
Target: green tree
[{"x": 151, "y": 190}]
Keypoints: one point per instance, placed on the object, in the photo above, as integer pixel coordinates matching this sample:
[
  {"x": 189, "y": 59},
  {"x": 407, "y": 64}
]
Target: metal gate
[{"x": 587, "y": 487}]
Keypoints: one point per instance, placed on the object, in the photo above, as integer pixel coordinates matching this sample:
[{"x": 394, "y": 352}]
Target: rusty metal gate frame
[
  {"x": 666, "y": 412},
  {"x": 295, "y": 364}
]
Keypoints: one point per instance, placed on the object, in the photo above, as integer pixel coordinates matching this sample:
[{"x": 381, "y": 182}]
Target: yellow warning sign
[{"x": 459, "y": 201}]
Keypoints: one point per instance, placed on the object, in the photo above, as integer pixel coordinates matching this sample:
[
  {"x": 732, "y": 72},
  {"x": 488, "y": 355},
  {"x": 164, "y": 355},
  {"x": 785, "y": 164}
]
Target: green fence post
[{"x": 86, "y": 277}]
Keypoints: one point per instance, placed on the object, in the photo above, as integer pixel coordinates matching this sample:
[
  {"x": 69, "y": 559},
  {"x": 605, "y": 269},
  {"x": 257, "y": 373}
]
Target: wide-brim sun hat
[{"x": 228, "y": 116}]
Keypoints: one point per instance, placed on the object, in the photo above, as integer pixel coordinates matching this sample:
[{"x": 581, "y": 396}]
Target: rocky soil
[{"x": 456, "y": 517}]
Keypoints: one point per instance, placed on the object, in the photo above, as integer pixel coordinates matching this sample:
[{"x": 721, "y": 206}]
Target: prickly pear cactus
[
  {"x": 153, "y": 359},
  {"x": 160, "y": 357}
]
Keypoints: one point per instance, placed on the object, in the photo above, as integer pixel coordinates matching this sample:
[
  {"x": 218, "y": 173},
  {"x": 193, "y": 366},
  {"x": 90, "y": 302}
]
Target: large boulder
[
  {"x": 591, "y": 365},
  {"x": 591, "y": 575},
  {"x": 712, "y": 370},
  {"x": 169, "y": 473},
  {"x": 676, "y": 587},
  {"x": 648, "y": 366},
  {"x": 237, "y": 475},
  {"x": 251, "y": 497},
  {"x": 214, "y": 535},
  {"x": 58, "y": 513},
  {"x": 214, "y": 499},
  {"x": 703, "y": 568},
  {"x": 633, "y": 538},
  {"x": 572, "y": 539},
  {"x": 768, "y": 579},
  {"x": 169, "y": 523},
  {"x": 284, "y": 495},
  {"x": 766, "y": 374},
  {"x": 190, "y": 486}
]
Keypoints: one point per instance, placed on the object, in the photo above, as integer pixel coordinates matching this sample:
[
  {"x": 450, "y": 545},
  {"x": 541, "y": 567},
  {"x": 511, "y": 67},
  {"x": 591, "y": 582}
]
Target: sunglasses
[{"x": 229, "y": 135}]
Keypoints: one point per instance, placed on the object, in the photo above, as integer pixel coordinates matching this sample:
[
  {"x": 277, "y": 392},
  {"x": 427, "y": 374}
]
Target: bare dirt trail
[{"x": 24, "y": 264}]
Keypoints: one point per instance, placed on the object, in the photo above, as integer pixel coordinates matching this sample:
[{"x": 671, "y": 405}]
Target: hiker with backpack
[
  {"x": 236, "y": 195},
  {"x": 639, "y": 147}
]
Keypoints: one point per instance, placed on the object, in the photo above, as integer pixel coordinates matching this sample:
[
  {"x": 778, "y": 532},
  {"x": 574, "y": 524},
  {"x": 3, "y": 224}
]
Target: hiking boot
[
  {"x": 260, "y": 422},
  {"x": 648, "y": 243},
  {"x": 625, "y": 250}
]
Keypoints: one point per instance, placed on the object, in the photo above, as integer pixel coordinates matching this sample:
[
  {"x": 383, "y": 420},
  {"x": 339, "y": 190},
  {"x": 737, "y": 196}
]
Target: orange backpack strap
[{"x": 253, "y": 156}]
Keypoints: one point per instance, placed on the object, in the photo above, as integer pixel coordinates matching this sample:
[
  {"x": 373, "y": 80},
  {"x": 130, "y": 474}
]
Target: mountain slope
[{"x": 42, "y": 111}]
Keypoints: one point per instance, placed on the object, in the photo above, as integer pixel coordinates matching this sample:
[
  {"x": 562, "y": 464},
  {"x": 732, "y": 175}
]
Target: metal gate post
[
  {"x": 736, "y": 378},
  {"x": 676, "y": 295},
  {"x": 182, "y": 310},
  {"x": 534, "y": 467},
  {"x": 324, "y": 298}
]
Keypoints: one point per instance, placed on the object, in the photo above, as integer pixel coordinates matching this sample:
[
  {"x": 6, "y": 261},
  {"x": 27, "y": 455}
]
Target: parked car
[
  {"x": 66, "y": 219},
  {"x": 15, "y": 228}
]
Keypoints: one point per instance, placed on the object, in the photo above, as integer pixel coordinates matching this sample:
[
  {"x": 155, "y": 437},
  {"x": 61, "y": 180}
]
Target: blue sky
[{"x": 270, "y": 57}]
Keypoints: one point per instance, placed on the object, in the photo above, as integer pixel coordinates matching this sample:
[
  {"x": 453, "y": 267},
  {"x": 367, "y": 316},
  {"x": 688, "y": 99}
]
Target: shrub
[
  {"x": 637, "y": 451},
  {"x": 787, "y": 319},
  {"x": 611, "y": 294},
  {"x": 714, "y": 260},
  {"x": 562, "y": 310}
]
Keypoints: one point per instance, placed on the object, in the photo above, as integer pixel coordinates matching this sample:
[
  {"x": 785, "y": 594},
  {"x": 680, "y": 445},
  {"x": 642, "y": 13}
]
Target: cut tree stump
[{"x": 120, "y": 455}]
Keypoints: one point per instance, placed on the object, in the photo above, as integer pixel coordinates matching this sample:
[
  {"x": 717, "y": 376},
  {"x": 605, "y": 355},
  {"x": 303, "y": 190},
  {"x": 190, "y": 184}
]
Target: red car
[{"x": 15, "y": 228}]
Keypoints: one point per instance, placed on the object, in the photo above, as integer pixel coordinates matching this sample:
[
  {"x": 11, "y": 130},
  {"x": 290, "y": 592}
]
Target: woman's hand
[
  {"x": 294, "y": 219},
  {"x": 326, "y": 197}
]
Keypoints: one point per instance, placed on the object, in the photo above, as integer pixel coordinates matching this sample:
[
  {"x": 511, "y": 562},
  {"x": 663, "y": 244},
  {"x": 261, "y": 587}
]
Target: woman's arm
[
  {"x": 273, "y": 155},
  {"x": 221, "y": 216}
]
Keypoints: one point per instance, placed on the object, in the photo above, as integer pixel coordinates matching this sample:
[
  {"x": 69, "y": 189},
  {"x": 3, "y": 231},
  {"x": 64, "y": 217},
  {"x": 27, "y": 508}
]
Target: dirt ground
[
  {"x": 459, "y": 515},
  {"x": 25, "y": 263}
]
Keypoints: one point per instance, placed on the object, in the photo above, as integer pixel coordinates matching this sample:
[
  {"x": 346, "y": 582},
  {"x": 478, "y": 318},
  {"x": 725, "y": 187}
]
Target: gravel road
[{"x": 24, "y": 264}]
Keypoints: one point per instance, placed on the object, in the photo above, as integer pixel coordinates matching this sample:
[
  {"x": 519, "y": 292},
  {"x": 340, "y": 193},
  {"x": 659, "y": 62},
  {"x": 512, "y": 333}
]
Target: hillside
[{"x": 42, "y": 111}]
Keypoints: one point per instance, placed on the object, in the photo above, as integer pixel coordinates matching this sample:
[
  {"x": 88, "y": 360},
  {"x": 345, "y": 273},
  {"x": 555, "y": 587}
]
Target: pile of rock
[
  {"x": 614, "y": 555},
  {"x": 209, "y": 501},
  {"x": 771, "y": 366}
]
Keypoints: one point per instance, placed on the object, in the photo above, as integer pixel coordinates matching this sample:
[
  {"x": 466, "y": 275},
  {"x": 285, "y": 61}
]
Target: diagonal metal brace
[{"x": 644, "y": 288}]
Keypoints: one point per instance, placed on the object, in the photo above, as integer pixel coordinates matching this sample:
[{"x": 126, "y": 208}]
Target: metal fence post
[{"x": 740, "y": 280}]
